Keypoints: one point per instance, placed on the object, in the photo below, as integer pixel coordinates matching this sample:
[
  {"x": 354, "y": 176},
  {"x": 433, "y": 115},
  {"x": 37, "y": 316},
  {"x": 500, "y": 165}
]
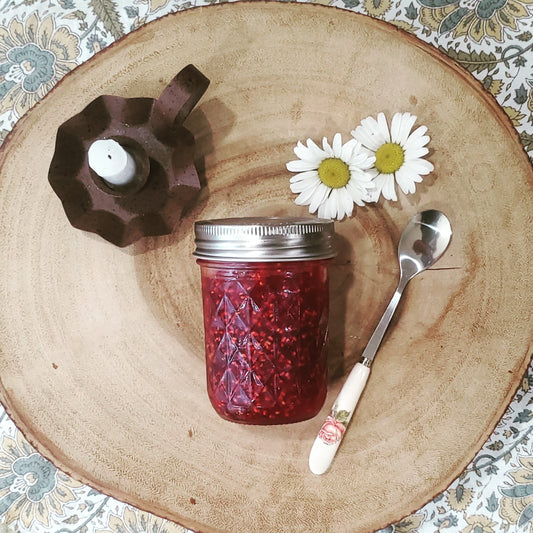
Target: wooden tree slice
[{"x": 101, "y": 348}]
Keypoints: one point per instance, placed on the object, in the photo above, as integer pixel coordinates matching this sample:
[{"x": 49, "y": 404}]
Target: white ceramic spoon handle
[{"x": 330, "y": 435}]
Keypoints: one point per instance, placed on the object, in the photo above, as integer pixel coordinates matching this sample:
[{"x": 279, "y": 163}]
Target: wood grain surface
[{"x": 101, "y": 348}]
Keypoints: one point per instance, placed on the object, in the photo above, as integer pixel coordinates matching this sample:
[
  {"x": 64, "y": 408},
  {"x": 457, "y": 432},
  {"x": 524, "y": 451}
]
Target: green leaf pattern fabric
[{"x": 40, "y": 42}]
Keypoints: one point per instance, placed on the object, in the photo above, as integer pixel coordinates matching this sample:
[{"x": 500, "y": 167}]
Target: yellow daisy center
[
  {"x": 389, "y": 158},
  {"x": 334, "y": 172}
]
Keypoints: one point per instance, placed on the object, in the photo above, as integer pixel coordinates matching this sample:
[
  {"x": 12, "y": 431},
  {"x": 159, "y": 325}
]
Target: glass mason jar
[{"x": 265, "y": 292}]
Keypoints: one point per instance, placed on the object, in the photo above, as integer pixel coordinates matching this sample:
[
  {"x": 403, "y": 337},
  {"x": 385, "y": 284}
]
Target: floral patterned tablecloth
[{"x": 41, "y": 41}]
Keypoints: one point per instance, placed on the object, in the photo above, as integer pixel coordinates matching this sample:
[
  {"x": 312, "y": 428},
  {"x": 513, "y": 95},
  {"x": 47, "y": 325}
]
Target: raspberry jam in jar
[{"x": 265, "y": 299}]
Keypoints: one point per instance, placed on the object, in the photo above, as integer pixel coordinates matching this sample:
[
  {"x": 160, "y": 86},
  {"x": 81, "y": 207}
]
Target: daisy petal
[
  {"x": 379, "y": 183},
  {"x": 372, "y": 172},
  {"x": 401, "y": 126},
  {"x": 318, "y": 197},
  {"x": 309, "y": 174},
  {"x": 405, "y": 181},
  {"x": 416, "y": 153},
  {"x": 416, "y": 142},
  {"x": 308, "y": 154},
  {"x": 357, "y": 194},
  {"x": 364, "y": 159},
  {"x": 388, "y": 189},
  {"x": 407, "y": 125},
  {"x": 303, "y": 185},
  {"x": 419, "y": 132},
  {"x": 374, "y": 196},
  {"x": 366, "y": 138},
  {"x": 419, "y": 166},
  {"x": 395, "y": 126},
  {"x": 349, "y": 150},
  {"x": 383, "y": 126},
  {"x": 323, "y": 209},
  {"x": 345, "y": 200},
  {"x": 371, "y": 133},
  {"x": 337, "y": 145},
  {"x": 300, "y": 166},
  {"x": 327, "y": 148},
  {"x": 331, "y": 205},
  {"x": 339, "y": 201},
  {"x": 315, "y": 149},
  {"x": 362, "y": 177},
  {"x": 304, "y": 198}
]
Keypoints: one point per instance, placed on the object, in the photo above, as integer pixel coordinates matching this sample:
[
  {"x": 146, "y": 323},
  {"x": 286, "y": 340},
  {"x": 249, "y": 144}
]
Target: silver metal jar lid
[{"x": 264, "y": 239}]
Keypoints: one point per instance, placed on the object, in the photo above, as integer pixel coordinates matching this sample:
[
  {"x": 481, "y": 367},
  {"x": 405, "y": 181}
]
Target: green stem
[
  {"x": 65, "y": 530},
  {"x": 520, "y": 52}
]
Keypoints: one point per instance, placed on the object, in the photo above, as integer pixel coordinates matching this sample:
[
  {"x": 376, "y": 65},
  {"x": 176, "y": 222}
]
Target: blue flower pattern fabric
[{"x": 40, "y": 42}]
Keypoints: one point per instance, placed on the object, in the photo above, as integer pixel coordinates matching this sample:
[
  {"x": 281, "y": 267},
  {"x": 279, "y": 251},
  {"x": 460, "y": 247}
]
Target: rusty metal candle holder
[{"x": 152, "y": 131}]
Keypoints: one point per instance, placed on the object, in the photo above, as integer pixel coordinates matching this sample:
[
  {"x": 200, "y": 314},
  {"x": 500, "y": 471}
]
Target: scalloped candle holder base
[{"x": 152, "y": 131}]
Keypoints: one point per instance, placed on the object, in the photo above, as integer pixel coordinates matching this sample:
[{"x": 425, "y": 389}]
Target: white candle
[{"x": 111, "y": 162}]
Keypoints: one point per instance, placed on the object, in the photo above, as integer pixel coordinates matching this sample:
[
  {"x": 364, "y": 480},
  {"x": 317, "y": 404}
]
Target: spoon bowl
[{"x": 423, "y": 241}]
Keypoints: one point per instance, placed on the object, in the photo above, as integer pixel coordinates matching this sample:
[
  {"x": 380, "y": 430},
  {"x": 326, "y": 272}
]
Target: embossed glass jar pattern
[{"x": 265, "y": 316}]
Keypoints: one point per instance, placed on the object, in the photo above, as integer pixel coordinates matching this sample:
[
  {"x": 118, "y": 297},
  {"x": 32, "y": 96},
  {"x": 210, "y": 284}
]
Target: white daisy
[
  {"x": 332, "y": 178},
  {"x": 399, "y": 153}
]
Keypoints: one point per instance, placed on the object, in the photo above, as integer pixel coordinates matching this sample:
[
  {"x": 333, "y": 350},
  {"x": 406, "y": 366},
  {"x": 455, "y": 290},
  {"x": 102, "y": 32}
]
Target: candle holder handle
[{"x": 179, "y": 97}]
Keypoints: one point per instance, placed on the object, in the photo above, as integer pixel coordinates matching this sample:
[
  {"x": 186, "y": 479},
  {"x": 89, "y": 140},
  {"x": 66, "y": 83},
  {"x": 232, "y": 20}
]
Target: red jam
[{"x": 265, "y": 339}]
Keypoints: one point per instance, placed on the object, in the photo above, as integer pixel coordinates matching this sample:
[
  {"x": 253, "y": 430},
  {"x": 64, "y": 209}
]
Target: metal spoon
[{"x": 423, "y": 241}]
